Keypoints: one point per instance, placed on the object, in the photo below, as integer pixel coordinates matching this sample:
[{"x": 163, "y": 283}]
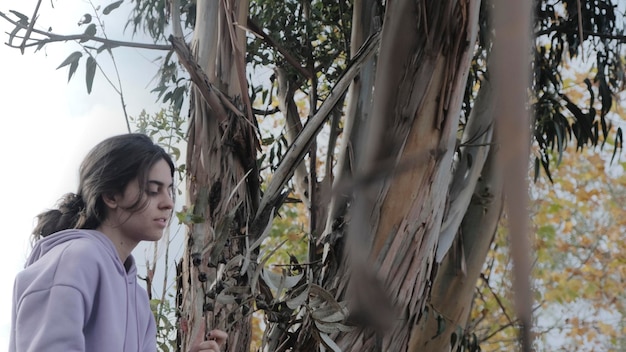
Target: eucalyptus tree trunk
[
  {"x": 396, "y": 161},
  {"x": 222, "y": 179},
  {"x": 396, "y": 216},
  {"x": 475, "y": 201}
]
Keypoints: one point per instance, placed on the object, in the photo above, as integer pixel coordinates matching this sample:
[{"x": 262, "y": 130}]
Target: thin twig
[
  {"x": 120, "y": 89},
  {"x": 557, "y": 28},
  {"x": 265, "y": 112},
  {"x": 30, "y": 27},
  {"x": 500, "y": 304}
]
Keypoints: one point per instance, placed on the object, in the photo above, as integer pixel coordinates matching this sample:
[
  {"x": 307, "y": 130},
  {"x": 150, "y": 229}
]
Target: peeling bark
[
  {"x": 421, "y": 74},
  {"x": 293, "y": 126},
  {"x": 222, "y": 181},
  {"x": 453, "y": 287}
]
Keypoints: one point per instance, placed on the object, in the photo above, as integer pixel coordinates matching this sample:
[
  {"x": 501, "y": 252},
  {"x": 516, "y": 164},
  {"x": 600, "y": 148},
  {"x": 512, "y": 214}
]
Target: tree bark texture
[
  {"x": 396, "y": 216},
  {"x": 222, "y": 181}
]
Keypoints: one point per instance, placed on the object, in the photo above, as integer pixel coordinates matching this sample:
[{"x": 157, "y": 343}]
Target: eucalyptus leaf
[
  {"x": 107, "y": 10},
  {"x": 73, "y": 67},
  {"x": 73, "y": 57},
  {"x": 330, "y": 343},
  {"x": 90, "y": 31},
  {"x": 23, "y": 18},
  {"x": 298, "y": 298},
  {"x": 86, "y": 19},
  {"x": 90, "y": 72}
]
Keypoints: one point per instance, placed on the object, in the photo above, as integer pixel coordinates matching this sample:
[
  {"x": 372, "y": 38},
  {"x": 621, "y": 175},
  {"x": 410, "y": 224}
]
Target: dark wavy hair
[{"x": 106, "y": 170}]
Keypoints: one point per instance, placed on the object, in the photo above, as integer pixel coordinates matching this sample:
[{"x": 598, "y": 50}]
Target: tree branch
[
  {"x": 53, "y": 37},
  {"x": 214, "y": 98},
  {"x": 254, "y": 28},
  {"x": 265, "y": 112},
  {"x": 30, "y": 27},
  {"x": 559, "y": 28},
  {"x": 299, "y": 147},
  {"x": 177, "y": 29}
]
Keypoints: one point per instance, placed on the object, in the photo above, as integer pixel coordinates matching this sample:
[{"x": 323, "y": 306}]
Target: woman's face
[{"x": 147, "y": 223}]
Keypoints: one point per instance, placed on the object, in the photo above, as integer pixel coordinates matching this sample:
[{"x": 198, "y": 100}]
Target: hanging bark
[
  {"x": 449, "y": 305},
  {"x": 293, "y": 125}
]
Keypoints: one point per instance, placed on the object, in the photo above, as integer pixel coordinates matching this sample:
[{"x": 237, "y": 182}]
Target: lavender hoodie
[{"x": 75, "y": 295}]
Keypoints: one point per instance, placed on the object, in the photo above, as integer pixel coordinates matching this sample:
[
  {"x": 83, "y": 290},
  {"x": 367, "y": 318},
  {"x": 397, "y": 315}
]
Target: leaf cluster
[
  {"x": 152, "y": 17},
  {"x": 164, "y": 316},
  {"x": 573, "y": 30},
  {"x": 167, "y": 128},
  {"x": 316, "y": 33}
]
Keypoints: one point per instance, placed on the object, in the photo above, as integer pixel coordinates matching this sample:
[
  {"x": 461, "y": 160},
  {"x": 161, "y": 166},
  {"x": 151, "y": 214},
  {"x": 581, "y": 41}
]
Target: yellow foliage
[{"x": 579, "y": 226}]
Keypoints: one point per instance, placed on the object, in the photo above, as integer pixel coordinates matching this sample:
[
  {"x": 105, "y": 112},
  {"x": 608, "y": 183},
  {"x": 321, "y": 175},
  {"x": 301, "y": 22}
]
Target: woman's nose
[{"x": 167, "y": 202}]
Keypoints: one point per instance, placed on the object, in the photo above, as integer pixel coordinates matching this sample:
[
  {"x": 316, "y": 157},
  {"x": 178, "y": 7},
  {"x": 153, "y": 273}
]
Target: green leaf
[
  {"x": 23, "y": 18},
  {"x": 328, "y": 342},
  {"x": 441, "y": 325},
  {"x": 71, "y": 60},
  {"x": 90, "y": 72},
  {"x": 107, "y": 10},
  {"x": 619, "y": 142},
  {"x": 89, "y": 32},
  {"x": 559, "y": 140},
  {"x": 86, "y": 19},
  {"x": 73, "y": 57},
  {"x": 73, "y": 67}
]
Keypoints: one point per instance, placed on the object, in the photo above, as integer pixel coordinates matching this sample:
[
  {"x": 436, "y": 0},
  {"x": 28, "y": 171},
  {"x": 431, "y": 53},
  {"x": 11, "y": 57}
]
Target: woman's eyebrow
[{"x": 160, "y": 184}]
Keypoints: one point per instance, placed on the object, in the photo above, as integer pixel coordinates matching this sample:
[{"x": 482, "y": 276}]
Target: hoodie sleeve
[
  {"x": 149, "y": 340},
  {"x": 51, "y": 320},
  {"x": 53, "y": 301}
]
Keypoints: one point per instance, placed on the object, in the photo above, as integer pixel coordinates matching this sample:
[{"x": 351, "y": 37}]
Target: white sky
[{"x": 48, "y": 125}]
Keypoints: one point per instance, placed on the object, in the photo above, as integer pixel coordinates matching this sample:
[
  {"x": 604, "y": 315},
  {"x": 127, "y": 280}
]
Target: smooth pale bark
[
  {"x": 222, "y": 181},
  {"x": 474, "y": 148},
  {"x": 366, "y": 20},
  {"x": 511, "y": 77},
  {"x": 420, "y": 80},
  {"x": 454, "y": 285},
  {"x": 293, "y": 126}
]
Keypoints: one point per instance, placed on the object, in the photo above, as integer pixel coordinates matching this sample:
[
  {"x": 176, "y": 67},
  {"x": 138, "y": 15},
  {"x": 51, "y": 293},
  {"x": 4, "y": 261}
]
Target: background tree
[
  {"x": 577, "y": 273},
  {"x": 400, "y": 96}
]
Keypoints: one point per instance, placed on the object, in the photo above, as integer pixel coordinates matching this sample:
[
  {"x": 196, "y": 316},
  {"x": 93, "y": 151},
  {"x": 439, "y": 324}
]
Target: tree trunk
[
  {"x": 396, "y": 217},
  {"x": 443, "y": 328},
  {"x": 397, "y": 160},
  {"x": 222, "y": 181}
]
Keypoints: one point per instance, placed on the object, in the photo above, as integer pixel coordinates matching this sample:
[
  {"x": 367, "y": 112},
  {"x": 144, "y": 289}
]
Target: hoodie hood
[{"x": 47, "y": 243}]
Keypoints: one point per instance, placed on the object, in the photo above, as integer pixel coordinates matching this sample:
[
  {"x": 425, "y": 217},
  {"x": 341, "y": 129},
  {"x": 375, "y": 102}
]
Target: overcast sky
[{"x": 48, "y": 125}]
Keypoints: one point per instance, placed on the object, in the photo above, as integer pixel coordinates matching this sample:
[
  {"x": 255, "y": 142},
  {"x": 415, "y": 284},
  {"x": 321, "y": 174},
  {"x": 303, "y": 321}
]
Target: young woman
[{"x": 79, "y": 289}]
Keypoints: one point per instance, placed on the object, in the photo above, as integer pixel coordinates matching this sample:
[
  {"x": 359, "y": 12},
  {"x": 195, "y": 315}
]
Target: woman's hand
[{"x": 216, "y": 340}]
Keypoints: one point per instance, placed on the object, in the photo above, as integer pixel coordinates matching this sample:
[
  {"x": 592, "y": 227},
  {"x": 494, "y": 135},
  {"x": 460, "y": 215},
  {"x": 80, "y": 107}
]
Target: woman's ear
[{"x": 110, "y": 200}]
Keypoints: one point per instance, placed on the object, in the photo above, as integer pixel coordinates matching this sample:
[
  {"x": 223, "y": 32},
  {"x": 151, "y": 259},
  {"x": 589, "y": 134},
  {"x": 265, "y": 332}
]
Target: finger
[
  {"x": 199, "y": 337},
  {"x": 208, "y": 346},
  {"x": 219, "y": 336}
]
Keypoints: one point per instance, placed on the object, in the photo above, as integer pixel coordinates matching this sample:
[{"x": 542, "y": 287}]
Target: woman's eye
[{"x": 152, "y": 192}]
